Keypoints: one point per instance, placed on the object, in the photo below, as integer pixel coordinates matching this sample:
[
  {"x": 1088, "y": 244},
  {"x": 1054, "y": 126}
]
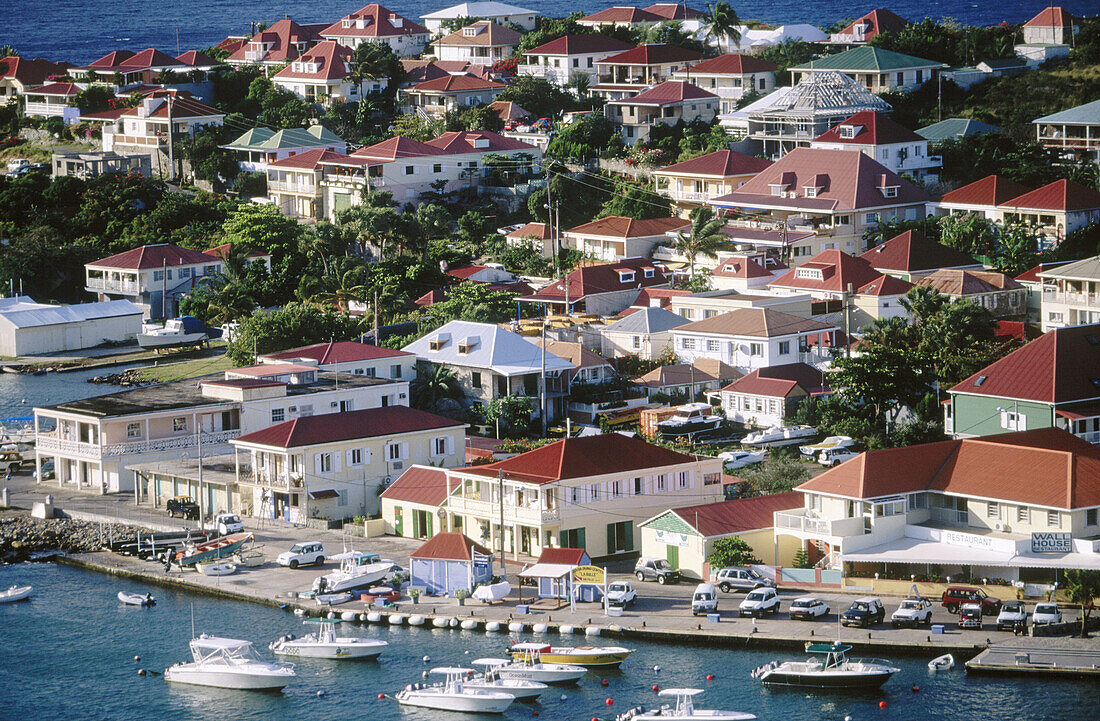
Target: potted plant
[
  {"x": 414, "y": 594},
  {"x": 461, "y": 595}
]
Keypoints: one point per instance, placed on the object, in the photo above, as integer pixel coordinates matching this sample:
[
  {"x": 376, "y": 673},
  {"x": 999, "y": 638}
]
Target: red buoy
[
  {"x": 710, "y": 677},
  {"x": 656, "y": 687},
  {"x": 604, "y": 682},
  {"x": 381, "y": 696},
  {"x": 534, "y": 713},
  {"x": 882, "y": 704},
  {"x": 916, "y": 688},
  {"x": 609, "y": 702}
]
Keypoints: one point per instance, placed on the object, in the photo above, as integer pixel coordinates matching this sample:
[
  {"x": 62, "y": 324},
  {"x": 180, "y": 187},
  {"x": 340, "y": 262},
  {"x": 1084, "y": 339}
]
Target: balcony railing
[
  {"x": 47, "y": 109},
  {"x": 920, "y": 161},
  {"x": 1062, "y": 142},
  {"x": 95, "y": 451},
  {"x": 1072, "y": 298},
  {"x": 289, "y": 187},
  {"x": 529, "y": 515},
  {"x": 142, "y": 140},
  {"x": 802, "y": 523},
  {"x": 275, "y": 481},
  {"x": 1090, "y": 436},
  {"x": 116, "y": 286}
]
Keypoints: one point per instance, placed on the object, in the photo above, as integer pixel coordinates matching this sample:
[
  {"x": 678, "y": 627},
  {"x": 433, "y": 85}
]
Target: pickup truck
[{"x": 224, "y": 524}]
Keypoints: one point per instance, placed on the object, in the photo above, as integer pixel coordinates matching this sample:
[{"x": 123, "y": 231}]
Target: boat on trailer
[{"x": 211, "y": 550}]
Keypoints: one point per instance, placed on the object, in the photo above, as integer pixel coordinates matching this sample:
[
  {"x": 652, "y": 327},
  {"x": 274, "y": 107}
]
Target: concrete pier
[{"x": 1040, "y": 656}]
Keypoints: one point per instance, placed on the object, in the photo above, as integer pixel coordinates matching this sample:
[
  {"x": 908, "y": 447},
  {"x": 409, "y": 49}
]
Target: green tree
[
  {"x": 786, "y": 55},
  {"x": 547, "y": 29},
  {"x": 779, "y": 473},
  {"x": 672, "y": 33},
  {"x": 1083, "y": 588},
  {"x": 263, "y": 227},
  {"x": 538, "y": 96},
  {"x": 293, "y": 325},
  {"x": 723, "y": 24},
  {"x": 344, "y": 284},
  {"x": 1019, "y": 249},
  {"x": 251, "y": 185},
  {"x": 970, "y": 233},
  {"x": 635, "y": 200},
  {"x": 513, "y": 414},
  {"x": 415, "y": 127},
  {"x": 731, "y": 551},
  {"x": 579, "y": 83},
  {"x": 703, "y": 237},
  {"x": 473, "y": 301},
  {"x": 434, "y": 384},
  {"x": 801, "y": 558},
  {"x": 593, "y": 136},
  {"x": 209, "y": 161},
  {"x": 94, "y": 98}
]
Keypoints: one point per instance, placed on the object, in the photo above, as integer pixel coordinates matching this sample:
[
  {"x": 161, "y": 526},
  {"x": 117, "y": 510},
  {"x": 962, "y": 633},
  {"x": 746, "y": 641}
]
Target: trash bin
[
  {"x": 714, "y": 618},
  {"x": 523, "y": 609},
  {"x": 937, "y": 628}
]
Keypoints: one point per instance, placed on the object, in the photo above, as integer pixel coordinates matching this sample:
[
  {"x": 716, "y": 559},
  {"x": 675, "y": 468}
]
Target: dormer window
[
  {"x": 469, "y": 32},
  {"x": 439, "y": 342},
  {"x": 777, "y": 190},
  {"x": 849, "y": 131},
  {"x": 345, "y": 23},
  {"x": 648, "y": 272},
  {"x": 889, "y": 191},
  {"x": 811, "y": 273},
  {"x": 467, "y": 346},
  {"x": 626, "y": 276},
  {"x": 296, "y": 66},
  {"x": 811, "y": 191}
]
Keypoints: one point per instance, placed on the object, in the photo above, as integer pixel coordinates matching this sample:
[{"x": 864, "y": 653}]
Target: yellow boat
[{"x": 588, "y": 656}]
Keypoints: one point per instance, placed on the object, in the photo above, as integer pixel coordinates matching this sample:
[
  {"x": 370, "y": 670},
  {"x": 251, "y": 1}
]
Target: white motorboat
[
  {"x": 332, "y": 599},
  {"x": 740, "y": 459},
  {"x": 683, "y": 710},
  {"x": 454, "y": 695},
  {"x": 779, "y": 436},
  {"x": 690, "y": 418},
  {"x": 216, "y": 569},
  {"x": 136, "y": 599},
  {"x": 490, "y": 681},
  {"x": 942, "y": 663},
  {"x": 229, "y": 663},
  {"x": 324, "y": 643},
  {"x": 835, "y": 671},
  {"x": 828, "y": 443},
  {"x": 357, "y": 570},
  {"x": 176, "y": 332},
  {"x": 587, "y": 656},
  {"x": 527, "y": 665},
  {"x": 15, "y": 593}
]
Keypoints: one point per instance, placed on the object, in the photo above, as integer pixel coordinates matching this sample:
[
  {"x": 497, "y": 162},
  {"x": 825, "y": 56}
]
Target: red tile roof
[
  {"x": 331, "y": 57},
  {"x": 838, "y": 269},
  {"x": 738, "y": 515},
  {"x": 566, "y": 556},
  {"x": 466, "y": 141},
  {"x": 195, "y": 58},
  {"x": 183, "y": 106},
  {"x": 1052, "y": 17},
  {"x": 417, "y": 71},
  {"x": 733, "y": 64},
  {"x": 148, "y": 58},
  {"x": 1050, "y": 467},
  {"x": 346, "y": 426},
  {"x": 574, "y": 458},
  {"x": 1063, "y": 195},
  {"x": 719, "y": 164},
  {"x": 755, "y": 323},
  {"x": 605, "y": 278},
  {"x": 618, "y": 226},
  {"x": 668, "y": 93},
  {"x": 450, "y": 546},
  {"x": 740, "y": 267},
  {"x": 231, "y": 45},
  {"x": 588, "y": 44},
  {"x": 872, "y": 129},
  {"x": 952, "y": 281},
  {"x": 885, "y": 285},
  {"x": 1060, "y": 366},
  {"x": 340, "y": 352},
  {"x": 284, "y": 36},
  {"x": 313, "y": 159},
  {"x": 911, "y": 251},
  {"x": 60, "y": 89},
  {"x": 780, "y": 381},
  {"x": 489, "y": 34},
  {"x": 674, "y": 11},
  {"x": 652, "y": 55},
  {"x": 1031, "y": 275},
  {"x": 878, "y": 21},
  {"x": 457, "y": 84},
  {"x": 396, "y": 148},
  {"x": 622, "y": 14},
  {"x": 846, "y": 181},
  {"x": 507, "y": 110},
  {"x": 540, "y": 231},
  {"x": 109, "y": 61},
  {"x": 425, "y": 485},
  {"x": 703, "y": 370},
  {"x": 990, "y": 190},
  {"x": 155, "y": 256},
  {"x": 380, "y": 23},
  {"x": 30, "y": 72}
]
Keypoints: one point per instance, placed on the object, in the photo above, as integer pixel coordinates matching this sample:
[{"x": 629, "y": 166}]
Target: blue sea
[
  {"x": 80, "y": 31},
  {"x": 68, "y": 653}
]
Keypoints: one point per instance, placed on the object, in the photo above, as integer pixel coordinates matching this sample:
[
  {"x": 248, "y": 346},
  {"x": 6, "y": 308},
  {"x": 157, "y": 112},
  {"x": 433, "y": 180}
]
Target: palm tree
[
  {"x": 343, "y": 286},
  {"x": 434, "y": 383},
  {"x": 231, "y": 298},
  {"x": 723, "y": 23},
  {"x": 703, "y": 238},
  {"x": 580, "y": 82}
]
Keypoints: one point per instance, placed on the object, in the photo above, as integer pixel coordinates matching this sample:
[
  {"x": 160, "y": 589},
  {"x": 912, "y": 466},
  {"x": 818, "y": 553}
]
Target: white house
[
  {"x": 450, "y": 93},
  {"x": 669, "y": 103},
  {"x": 731, "y": 77},
  {"x": 559, "y": 59},
  {"x": 621, "y": 16},
  {"x": 28, "y": 328},
  {"x": 768, "y": 397},
  {"x": 753, "y": 338},
  {"x": 616, "y": 238},
  {"x": 146, "y": 276},
  {"x": 376, "y": 24},
  {"x": 360, "y": 359},
  {"x": 894, "y": 146},
  {"x": 482, "y": 43},
  {"x": 645, "y": 333},
  {"x": 495, "y": 11},
  {"x": 323, "y": 75}
]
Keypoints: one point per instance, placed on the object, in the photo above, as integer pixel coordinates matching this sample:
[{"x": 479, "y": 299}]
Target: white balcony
[
  {"x": 526, "y": 515},
  {"x": 283, "y": 186},
  {"x": 802, "y": 524},
  {"x": 1072, "y": 298},
  {"x": 130, "y": 287},
  {"x": 96, "y": 451},
  {"x": 278, "y": 481},
  {"x": 51, "y": 110},
  {"x": 1090, "y": 436}
]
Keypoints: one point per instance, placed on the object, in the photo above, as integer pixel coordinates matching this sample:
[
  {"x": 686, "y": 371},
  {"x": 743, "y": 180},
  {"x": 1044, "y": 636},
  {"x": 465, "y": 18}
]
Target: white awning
[
  {"x": 547, "y": 570},
  {"x": 913, "y": 550}
]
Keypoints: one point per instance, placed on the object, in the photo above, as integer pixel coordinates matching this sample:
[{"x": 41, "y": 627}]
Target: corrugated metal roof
[
  {"x": 30, "y": 314},
  {"x": 869, "y": 59}
]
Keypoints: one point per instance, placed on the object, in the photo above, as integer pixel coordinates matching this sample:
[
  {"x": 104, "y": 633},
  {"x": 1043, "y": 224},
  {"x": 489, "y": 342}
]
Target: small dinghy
[
  {"x": 136, "y": 599},
  {"x": 216, "y": 569},
  {"x": 332, "y": 599},
  {"x": 15, "y": 593},
  {"x": 942, "y": 663}
]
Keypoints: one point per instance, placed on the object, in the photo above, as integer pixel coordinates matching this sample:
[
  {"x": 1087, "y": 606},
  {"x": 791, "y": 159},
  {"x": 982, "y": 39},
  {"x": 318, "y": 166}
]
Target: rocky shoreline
[
  {"x": 128, "y": 378},
  {"x": 21, "y": 537}
]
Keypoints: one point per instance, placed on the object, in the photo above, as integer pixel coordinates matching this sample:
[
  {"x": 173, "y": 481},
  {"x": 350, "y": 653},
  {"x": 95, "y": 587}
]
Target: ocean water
[
  {"x": 21, "y": 392},
  {"x": 69, "y": 653},
  {"x": 80, "y": 31}
]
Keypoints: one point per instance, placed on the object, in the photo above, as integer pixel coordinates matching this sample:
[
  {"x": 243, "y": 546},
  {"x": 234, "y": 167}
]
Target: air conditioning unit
[
  {"x": 1002, "y": 527},
  {"x": 397, "y": 465},
  {"x": 293, "y": 409},
  {"x": 334, "y": 404},
  {"x": 400, "y": 395}
]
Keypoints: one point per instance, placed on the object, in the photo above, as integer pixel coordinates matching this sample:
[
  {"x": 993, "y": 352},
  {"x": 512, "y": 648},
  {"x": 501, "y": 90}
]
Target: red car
[{"x": 955, "y": 596}]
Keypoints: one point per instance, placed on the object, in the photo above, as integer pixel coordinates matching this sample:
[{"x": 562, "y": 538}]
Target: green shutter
[
  {"x": 579, "y": 537},
  {"x": 429, "y": 517},
  {"x": 628, "y": 529},
  {"x": 611, "y": 537}
]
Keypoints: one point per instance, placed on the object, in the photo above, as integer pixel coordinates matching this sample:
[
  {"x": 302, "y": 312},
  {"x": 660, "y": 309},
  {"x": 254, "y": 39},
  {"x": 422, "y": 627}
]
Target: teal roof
[
  {"x": 669, "y": 521},
  {"x": 253, "y": 139},
  {"x": 267, "y": 139},
  {"x": 868, "y": 59},
  {"x": 1088, "y": 113},
  {"x": 955, "y": 128}
]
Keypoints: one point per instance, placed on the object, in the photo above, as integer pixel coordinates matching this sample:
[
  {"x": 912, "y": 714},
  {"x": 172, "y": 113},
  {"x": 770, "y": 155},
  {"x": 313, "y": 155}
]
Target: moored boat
[
  {"x": 489, "y": 680},
  {"x": 835, "y": 670},
  {"x": 779, "y": 436},
  {"x": 689, "y": 419},
  {"x": 229, "y": 663},
  {"x": 684, "y": 710},
  {"x": 454, "y": 695},
  {"x": 324, "y": 643},
  {"x": 15, "y": 593},
  {"x": 587, "y": 656},
  {"x": 216, "y": 569},
  {"x": 357, "y": 570},
  {"x": 136, "y": 599},
  {"x": 942, "y": 663},
  {"x": 175, "y": 333},
  {"x": 211, "y": 550},
  {"x": 529, "y": 666}
]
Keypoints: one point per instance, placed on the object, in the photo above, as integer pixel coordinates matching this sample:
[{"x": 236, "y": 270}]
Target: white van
[{"x": 705, "y": 599}]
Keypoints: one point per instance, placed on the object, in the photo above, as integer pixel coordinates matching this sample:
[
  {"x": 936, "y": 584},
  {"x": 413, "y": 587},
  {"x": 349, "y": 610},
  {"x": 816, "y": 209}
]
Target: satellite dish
[{"x": 441, "y": 512}]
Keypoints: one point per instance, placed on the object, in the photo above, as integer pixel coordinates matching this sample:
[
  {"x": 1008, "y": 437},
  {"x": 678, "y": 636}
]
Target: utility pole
[
  {"x": 939, "y": 97},
  {"x": 164, "y": 289},
  {"x": 542, "y": 380},
  {"x": 500, "y": 493},
  {"x": 550, "y": 217},
  {"x": 847, "y": 325},
  {"x": 171, "y": 142},
  {"x": 376, "y": 339},
  {"x": 202, "y": 500}
]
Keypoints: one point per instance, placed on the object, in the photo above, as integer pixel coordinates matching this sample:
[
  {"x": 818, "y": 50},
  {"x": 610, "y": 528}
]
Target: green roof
[
  {"x": 267, "y": 139},
  {"x": 669, "y": 521},
  {"x": 955, "y": 128},
  {"x": 868, "y": 59},
  {"x": 253, "y": 139},
  {"x": 1087, "y": 113}
]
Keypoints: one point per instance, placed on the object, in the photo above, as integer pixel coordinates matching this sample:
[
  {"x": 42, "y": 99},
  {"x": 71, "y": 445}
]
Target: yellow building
[{"x": 686, "y": 536}]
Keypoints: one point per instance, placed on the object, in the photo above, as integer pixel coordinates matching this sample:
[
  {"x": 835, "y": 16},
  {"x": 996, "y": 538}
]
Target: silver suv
[
  {"x": 741, "y": 579},
  {"x": 656, "y": 569}
]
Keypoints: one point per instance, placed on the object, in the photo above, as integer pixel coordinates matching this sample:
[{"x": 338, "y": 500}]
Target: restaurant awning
[
  {"x": 913, "y": 550},
  {"x": 547, "y": 570}
]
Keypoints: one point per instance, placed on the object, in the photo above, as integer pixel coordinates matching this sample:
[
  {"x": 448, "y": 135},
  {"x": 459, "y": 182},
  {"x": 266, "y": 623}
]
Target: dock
[{"x": 1050, "y": 657}]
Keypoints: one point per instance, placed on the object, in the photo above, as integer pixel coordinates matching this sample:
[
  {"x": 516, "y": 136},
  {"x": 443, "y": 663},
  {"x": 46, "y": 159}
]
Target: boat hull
[
  {"x": 135, "y": 599},
  {"x": 827, "y": 680},
  {"x": 365, "y": 580},
  {"x": 542, "y": 675},
  {"x": 186, "y": 673},
  {"x": 211, "y": 550},
  {"x": 517, "y": 690},
  {"x": 15, "y": 594},
  {"x": 150, "y": 341},
  {"x": 686, "y": 429},
  {"x": 466, "y": 703},
  {"x": 347, "y": 648},
  {"x": 581, "y": 656}
]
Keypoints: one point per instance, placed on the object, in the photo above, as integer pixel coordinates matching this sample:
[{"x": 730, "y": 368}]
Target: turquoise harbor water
[
  {"x": 80, "y": 31},
  {"x": 68, "y": 653}
]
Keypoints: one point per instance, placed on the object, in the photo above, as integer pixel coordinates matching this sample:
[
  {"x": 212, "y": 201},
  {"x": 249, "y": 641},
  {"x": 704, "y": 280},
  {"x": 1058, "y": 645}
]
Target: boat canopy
[
  {"x": 217, "y": 643},
  {"x": 827, "y": 648},
  {"x": 491, "y": 662},
  {"x": 680, "y": 692},
  {"x": 324, "y": 621},
  {"x": 452, "y": 670},
  {"x": 529, "y": 647}
]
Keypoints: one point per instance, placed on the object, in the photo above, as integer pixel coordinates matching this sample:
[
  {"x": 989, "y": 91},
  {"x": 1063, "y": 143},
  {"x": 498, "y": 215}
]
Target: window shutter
[
  {"x": 404, "y": 451},
  {"x": 317, "y": 463},
  {"x": 349, "y": 459},
  {"x": 366, "y": 456},
  {"x": 629, "y": 526},
  {"x": 335, "y": 462},
  {"x": 610, "y": 538},
  {"x": 691, "y": 479}
]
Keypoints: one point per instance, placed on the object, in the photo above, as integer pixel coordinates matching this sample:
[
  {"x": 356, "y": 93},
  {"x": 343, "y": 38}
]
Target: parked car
[
  {"x": 17, "y": 163},
  {"x": 912, "y": 613},
  {"x": 955, "y": 596},
  {"x": 759, "y": 602},
  {"x": 807, "y": 608},
  {"x": 182, "y": 506},
  {"x": 970, "y": 616},
  {"x": 303, "y": 554},
  {"x": 831, "y": 457},
  {"x": 741, "y": 579},
  {"x": 11, "y": 460},
  {"x": 656, "y": 569},
  {"x": 621, "y": 593},
  {"x": 1045, "y": 614},
  {"x": 224, "y": 523},
  {"x": 47, "y": 470},
  {"x": 705, "y": 599},
  {"x": 1012, "y": 614},
  {"x": 864, "y": 612}
]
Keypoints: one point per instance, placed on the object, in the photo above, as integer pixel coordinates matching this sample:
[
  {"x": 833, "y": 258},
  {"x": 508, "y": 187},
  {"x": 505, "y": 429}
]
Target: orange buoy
[
  {"x": 381, "y": 696},
  {"x": 604, "y": 682}
]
